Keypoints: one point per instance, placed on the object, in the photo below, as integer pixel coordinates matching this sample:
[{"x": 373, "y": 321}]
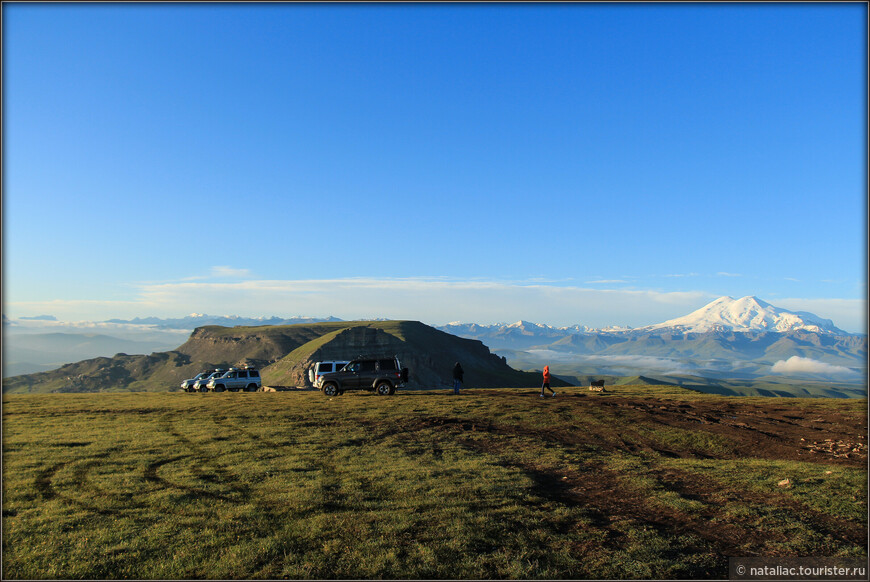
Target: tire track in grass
[
  {"x": 321, "y": 463},
  {"x": 45, "y": 485},
  {"x": 605, "y": 501},
  {"x": 238, "y": 492},
  {"x": 601, "y": 492},
  {"x": 44, "y": 481},
  {"x": 329, "y": 489},
  {"x": 332, "y": 497}
]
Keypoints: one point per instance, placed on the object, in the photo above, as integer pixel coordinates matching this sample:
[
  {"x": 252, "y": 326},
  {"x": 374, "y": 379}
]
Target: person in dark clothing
[{"x": 457, "y": 378}]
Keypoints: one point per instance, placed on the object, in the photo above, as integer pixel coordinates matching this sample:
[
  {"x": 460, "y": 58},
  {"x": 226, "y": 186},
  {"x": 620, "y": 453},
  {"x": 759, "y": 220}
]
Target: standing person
[
  {"x": 457, "y": 378},
  {"x": 546, "y": 383}
]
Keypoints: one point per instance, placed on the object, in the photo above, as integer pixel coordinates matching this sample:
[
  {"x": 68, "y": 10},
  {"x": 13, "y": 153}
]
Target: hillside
[{"x": 284, "y": 354}]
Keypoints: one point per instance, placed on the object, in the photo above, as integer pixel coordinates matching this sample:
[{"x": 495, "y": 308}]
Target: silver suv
[
  {"x": 189, "y": 384},
  {"x": 201, "y": 385},
  {"x": 235, "y": 379}
]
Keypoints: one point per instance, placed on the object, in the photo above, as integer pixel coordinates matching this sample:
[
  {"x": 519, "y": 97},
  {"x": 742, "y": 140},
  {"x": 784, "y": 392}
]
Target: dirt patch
[
  {"x": 608, "y": 496},
  {"x": 784, "y": 433},
  {"x": 713, "y": 494}
]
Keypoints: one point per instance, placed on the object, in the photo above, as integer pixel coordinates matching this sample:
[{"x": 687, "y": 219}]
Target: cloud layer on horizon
[
  {"x": 800, "y": 365},
  {"x": 431, "y": 300}
]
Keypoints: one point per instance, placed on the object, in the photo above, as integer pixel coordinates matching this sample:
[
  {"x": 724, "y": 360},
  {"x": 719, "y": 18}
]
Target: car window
[
  {"x": 254, "y": 374},
  {"x": 243, "y": 374},
  {"x": 367, "y": 366},
  {"x": 387, "y": 364},
  {"x": 353, "y": 367}
]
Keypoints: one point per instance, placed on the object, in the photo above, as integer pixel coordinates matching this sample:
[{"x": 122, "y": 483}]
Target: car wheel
[
  {"x": 330, "y": 389},
  {"x": 384, "y": 388},
  {"x": 219, "y": 388},
  {"x": 252, "y": 387}
]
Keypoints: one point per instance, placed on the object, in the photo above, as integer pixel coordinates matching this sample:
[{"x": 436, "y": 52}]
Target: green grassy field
[{"x": 422, "y": 485}]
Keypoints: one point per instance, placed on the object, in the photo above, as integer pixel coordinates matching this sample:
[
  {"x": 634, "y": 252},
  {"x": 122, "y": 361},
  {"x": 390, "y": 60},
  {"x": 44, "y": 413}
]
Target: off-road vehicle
[
  {"x": 188, "y": 385},
  {"x": 201, "y": 385},
  {"x": 235, "y": 379},
  {"x": 383, "y": 375},
  {"x": 321, "y": 368}
]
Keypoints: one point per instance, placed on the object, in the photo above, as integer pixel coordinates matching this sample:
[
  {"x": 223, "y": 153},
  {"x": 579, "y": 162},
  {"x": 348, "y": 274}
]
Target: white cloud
[
  {"x": 620, "y": 365},
  {"x": 799, "y": 365},
  {"x": 434, "y": 300},
  {"x": 724, "y": 274},
  {"x": 606, "y": 281},
  {"x": 224, "y": 271}
]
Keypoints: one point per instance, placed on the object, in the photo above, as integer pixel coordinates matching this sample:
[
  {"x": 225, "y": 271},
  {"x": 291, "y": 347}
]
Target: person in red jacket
[{"x": 546, "y": 383}]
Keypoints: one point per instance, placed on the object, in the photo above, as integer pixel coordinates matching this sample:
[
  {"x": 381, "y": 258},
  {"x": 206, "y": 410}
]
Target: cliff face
[{"x": 284, "y": 355}]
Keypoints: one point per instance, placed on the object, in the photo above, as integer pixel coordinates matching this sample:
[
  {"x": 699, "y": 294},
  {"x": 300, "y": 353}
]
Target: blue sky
[{"x": 566, "y": 163}]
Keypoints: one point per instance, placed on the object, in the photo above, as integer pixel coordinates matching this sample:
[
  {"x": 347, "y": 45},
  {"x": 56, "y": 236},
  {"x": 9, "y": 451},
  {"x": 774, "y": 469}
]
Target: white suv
[
  {"x": 235, "y": 379},
  {"x": 321, "y": 368}
]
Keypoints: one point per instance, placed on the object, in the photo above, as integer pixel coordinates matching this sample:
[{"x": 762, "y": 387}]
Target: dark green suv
[{"x": 383, "y": 375}]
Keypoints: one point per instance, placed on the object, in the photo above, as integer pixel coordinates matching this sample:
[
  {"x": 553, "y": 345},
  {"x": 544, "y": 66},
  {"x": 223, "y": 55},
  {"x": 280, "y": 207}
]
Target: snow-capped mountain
[{"x": 747, "y": 314}]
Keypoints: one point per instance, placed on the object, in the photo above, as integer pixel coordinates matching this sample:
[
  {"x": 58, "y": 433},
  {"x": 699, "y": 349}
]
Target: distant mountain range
[
  {"x": 726, "y": 314},
  {"x": 195, "y": 320},
  {"x": 728, "y": 341}
]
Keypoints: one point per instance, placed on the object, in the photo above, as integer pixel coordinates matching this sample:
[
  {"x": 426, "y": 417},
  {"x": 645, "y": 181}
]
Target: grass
[{"x": 423, "y": 485}]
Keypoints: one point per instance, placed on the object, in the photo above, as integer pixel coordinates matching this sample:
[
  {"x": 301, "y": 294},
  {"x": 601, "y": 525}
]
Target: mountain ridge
[
  {"x": 284, "y": 354},
  {"x": 747, "y": 314}
]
